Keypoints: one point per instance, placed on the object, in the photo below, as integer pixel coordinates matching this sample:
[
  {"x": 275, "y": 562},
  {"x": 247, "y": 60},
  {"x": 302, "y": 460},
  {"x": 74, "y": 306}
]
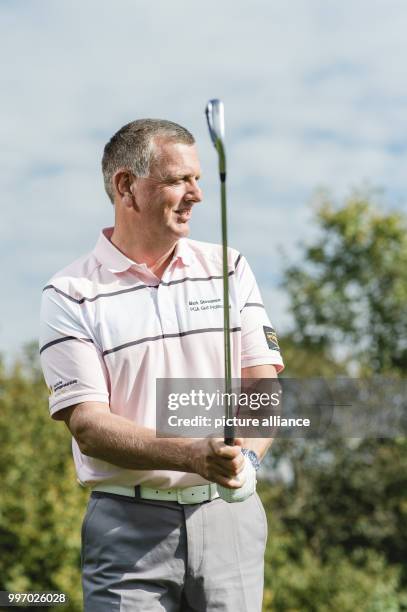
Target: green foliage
[
  {"x": 337, "y": 527},
  {"x": 338, "y": 585},
  {"x": 350, "y": 289},
  {"x": 338, "y": 519},
  {"x": 41, "y": 504},
  {"x": 308, "y": 361}
]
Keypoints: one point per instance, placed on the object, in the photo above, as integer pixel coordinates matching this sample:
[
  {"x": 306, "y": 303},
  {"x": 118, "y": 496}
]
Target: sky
[{"x": 315, "y": 94}]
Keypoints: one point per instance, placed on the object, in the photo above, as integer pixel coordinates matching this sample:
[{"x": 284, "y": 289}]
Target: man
[{"x": 156, "y": 535}]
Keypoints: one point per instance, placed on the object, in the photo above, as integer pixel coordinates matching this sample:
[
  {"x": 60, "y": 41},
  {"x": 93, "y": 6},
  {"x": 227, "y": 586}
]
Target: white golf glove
[{"x": 248, "y": 476}]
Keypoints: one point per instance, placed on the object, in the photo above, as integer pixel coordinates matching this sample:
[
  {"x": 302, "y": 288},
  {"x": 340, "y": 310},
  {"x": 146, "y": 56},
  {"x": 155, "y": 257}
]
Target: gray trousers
[{"x": 142, "y": 555}]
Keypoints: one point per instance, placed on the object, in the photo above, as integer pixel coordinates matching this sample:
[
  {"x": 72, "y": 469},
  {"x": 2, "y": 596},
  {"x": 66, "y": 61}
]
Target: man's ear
[{"x": 123, "y": 181}]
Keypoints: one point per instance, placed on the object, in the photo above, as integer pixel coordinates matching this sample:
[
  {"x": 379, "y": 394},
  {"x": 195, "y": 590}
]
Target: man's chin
[{"x": 181, "y": 231}]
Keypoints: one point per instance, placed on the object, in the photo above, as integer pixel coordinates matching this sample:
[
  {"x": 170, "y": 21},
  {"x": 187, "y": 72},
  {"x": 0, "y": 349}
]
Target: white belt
[{"x": 187, "y": 495}]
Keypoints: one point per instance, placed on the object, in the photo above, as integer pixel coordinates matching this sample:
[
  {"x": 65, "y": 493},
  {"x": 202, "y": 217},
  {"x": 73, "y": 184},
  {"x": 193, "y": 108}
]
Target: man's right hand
[
  {"x": 104, "y": 435},
  {"x": 218, "y": 462}
]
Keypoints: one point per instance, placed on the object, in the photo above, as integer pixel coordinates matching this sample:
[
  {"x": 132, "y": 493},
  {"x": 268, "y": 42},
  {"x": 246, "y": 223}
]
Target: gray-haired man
[{"x": 157, "y": 535}]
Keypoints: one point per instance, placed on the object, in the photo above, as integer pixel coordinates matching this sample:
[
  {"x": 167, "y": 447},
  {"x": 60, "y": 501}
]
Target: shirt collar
[
  {"x": 183, "y": 252},
  {"x": 115, "y": 261}
]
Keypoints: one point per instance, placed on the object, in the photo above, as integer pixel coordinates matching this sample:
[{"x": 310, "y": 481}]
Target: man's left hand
[{"x": 248, "y": 478}]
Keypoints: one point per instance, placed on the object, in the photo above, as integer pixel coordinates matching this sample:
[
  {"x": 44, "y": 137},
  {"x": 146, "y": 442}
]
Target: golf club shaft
[
  {"x": 229, "y": 437},
  {"x": 229, "y": 432},
  {"x": 215, "y": 117}
]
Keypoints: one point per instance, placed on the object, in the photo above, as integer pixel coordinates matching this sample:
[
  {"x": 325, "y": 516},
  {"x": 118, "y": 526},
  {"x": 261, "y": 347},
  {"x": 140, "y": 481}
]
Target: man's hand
[
  {"x": 112, "y": 438},
  {"x": 248, "y": 479},
  {"x": 217, "y": 462}
]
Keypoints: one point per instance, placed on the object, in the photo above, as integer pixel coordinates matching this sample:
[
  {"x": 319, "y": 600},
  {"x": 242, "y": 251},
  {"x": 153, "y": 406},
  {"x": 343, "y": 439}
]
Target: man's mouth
[{"x": 184, "y": 213}]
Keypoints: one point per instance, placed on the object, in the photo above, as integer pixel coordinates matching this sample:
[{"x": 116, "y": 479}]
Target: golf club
[{"x": 216, "y": 122}]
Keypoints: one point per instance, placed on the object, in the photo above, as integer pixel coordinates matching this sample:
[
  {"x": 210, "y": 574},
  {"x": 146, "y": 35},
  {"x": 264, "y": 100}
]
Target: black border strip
[
  {"x": 164, "y": 336},
  {"x": 63, "y": 340}
]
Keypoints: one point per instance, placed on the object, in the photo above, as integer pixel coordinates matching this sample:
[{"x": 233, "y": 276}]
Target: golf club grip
[{"x": 229, "y": 435}]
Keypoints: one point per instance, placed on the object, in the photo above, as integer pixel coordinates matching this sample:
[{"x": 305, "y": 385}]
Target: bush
[{"x": 41, "y": 504}]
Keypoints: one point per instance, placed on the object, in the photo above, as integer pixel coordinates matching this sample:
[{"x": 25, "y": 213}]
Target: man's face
[{"x": 166, "y": 197}]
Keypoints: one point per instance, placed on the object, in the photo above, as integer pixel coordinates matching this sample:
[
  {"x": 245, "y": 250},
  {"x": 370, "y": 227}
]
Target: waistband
[{"x": 187, "y": 495}]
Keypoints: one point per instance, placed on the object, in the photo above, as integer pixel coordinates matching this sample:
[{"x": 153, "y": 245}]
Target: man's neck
[{"x": 155, "y": 256}]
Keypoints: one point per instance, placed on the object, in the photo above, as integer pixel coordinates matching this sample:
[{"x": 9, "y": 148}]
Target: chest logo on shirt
[{"x": 202, "y": 304}]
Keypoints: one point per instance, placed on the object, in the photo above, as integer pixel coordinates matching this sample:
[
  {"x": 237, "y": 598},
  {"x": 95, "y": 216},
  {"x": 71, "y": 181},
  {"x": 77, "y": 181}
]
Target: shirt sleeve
[
  {"x": 72, "y": 364},
  {"x": 259, "y": 339}
]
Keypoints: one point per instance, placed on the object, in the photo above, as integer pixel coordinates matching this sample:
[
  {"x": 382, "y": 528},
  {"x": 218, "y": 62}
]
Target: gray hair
[{"x": 132, "y": 147}]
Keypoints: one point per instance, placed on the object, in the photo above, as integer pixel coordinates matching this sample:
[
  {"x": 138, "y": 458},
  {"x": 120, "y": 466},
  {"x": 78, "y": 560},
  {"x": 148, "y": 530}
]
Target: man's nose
[{"x": 194, "y": 193}]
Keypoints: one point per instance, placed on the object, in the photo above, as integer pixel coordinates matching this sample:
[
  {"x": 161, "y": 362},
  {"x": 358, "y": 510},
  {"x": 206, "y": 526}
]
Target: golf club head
[{"x": 216, "y": 120}]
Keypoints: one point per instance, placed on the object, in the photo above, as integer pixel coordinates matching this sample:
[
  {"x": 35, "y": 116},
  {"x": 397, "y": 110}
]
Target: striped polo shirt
[{"x": 110, "y": 328}]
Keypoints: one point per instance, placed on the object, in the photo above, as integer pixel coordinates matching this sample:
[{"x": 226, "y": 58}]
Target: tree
[
  {"x": 350, "y": 293},
  {"x": 41, "y": 504},
  {"x": 337, "y": 518}
]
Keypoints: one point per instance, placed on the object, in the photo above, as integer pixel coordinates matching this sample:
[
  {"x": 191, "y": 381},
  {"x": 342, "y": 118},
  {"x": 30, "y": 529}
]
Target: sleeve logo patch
[{"x": 271, "y": 338}]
